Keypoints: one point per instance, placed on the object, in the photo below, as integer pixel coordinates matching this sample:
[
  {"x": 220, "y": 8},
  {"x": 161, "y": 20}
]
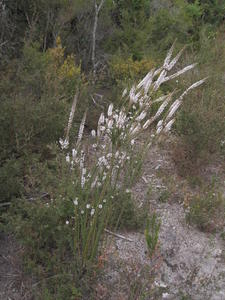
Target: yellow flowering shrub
[
  {"x": 62, "y": 71},
  {"x": 123, "y": 70},
  {"x": 68, "y": 69}
]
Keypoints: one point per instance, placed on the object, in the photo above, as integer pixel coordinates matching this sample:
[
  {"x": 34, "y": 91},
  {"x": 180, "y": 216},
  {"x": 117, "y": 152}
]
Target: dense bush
[{"x": 36, "y": 93}]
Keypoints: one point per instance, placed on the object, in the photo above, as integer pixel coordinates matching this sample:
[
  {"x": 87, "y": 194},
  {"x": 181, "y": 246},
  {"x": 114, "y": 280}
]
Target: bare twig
[{"x": 118, "y": 235}]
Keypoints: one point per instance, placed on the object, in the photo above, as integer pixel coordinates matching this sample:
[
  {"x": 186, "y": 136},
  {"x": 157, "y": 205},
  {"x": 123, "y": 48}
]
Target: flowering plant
[{"x": 115, "y": 160}]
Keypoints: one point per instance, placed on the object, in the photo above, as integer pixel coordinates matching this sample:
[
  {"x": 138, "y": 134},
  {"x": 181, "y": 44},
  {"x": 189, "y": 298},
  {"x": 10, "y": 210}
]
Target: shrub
[
  {"x": 34, "y": 97},
  {"x": 207, "y": 210},
  {"x": 128, "y": 69}
]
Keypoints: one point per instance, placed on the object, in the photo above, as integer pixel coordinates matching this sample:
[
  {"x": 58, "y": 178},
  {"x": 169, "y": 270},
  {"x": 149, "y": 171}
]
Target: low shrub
[{"x": 207, "y": 210}]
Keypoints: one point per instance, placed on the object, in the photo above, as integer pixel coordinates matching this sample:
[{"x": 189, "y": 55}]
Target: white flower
[
  {"x": 82, "y": 212},
  {"x": 110, "y": 109},
  {"x": 104, "y": 201},
  {"x": 101, "y": 119},
  {"x": 132, "y": 142},
  {"x": 165, "y": 295},
  {"x": 169, "y": 125},
  {"x": 67, "y": 158},
  {"x": 141, "y": 116},
  {"x": 81, "y": 129},
  {"x": 64, "y": 143},
  {"x": 147, "y": 123},
  {"x": 102, "y": 128},
  {"x": 92, "y": 211},
  {"x": 135, "y": 129},
  {"x": 159, "y": 127},
  {"x": 117, "y": 154},
  {"x": 83, "y": 179},
  {"x": 110, "y": 124},
  {"x": 127, "y": 191},
  {"x": 94, "y": 182},
  {"x": 74, "y": 153},
  {"x": 100, "y": 206},
  {"x": 124, "y": 93},
  {"x": 88, "y": 206},
  {"x": 93, "y": 133},
  {"x": 75, "y": 201},
  {"x": 94, "y": 146},
  {"x": 67, "y": 222}
]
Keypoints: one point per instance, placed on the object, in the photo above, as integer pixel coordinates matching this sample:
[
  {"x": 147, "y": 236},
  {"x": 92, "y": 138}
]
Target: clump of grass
[
  {"x": 164, "y": 196},
  {"x": 152, "y": 233}
]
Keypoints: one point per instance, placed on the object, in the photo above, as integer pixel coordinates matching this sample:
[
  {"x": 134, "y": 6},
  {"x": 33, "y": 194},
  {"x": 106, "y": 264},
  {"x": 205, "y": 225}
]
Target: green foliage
[
  {"x": 33, "y": 109},
  {"x": 49, "y": 250},
  {"x": 207, "y": 210},
  {"x": 130, "y": 216},
  {"x": 152, "y": 233},
  {"x": 131, "y": 21},
  {"x": 213, "y": 11},
  {"x": 200, "y": 124}
]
